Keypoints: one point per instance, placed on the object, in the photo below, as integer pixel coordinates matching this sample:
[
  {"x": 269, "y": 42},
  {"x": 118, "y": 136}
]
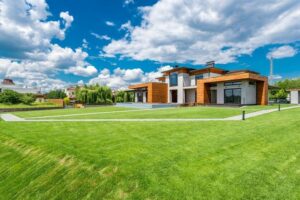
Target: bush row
[{"x": 13, "y": 97}]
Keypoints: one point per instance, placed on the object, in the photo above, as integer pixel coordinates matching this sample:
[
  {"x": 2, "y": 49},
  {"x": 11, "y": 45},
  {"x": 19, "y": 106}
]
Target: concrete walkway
[{"x": 13, "y": 118}]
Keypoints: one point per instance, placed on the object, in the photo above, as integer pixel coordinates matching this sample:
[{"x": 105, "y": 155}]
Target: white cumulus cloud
[
  {"x": 100, "y": 37},
  {"x": 282, "y": 52},
  {"x": 200, "y": 30},
  {"x": 82, "y": 71},
  {"x": 27, "y": 51},
  {"x": 122, "y": 78},
  {"x": 110, "y": 23}
]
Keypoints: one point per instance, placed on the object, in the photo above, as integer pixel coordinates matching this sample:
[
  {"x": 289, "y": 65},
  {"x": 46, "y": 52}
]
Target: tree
[
  {"x": 67, "y": 100},
  {"x": 122, "y": 96},
  {"x": 56, "y": 94},
  {"x": 94, "y": 94},
  {"x": 28, "y": 99},
  {"x": 289, "y": 84},
  {"x": 281, "y": 94},
  {"x": 10, "y": 97}
]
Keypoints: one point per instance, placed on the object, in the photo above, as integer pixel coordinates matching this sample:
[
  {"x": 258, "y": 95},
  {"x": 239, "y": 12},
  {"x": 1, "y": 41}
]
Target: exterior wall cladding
[{"x": 210, "y": 85}]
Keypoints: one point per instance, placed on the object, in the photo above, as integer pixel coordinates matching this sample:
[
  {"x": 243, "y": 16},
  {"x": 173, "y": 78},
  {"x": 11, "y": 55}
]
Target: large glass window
[
  {"x": 173, "y": 79},
  {"x": 232, "y": 96},
  {"x": 232, "y": 83}
]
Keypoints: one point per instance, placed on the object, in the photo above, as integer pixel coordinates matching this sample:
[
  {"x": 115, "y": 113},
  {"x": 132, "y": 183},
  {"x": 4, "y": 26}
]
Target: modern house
[
  {"x": 8, "y": 84},
  {"x": 210, "y": 85},
  {"x": 295, "y": 96}
]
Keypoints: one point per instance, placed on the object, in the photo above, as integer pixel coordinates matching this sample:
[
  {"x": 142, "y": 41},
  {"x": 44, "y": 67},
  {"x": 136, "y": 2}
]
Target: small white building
[
  {"x": 71, "y": 92},
  {"x": 295, "y": 96}
]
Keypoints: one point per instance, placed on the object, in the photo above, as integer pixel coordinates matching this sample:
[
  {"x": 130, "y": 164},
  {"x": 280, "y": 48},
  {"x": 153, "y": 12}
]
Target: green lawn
[
  {"x": 108, "y": 112},
  {"x": 253, "y": 159},
  {"x": 71, "y": 111}
]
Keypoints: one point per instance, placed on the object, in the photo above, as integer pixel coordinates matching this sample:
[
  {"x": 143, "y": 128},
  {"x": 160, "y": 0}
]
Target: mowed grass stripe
[
  {"x": 50, "y": 175},
  {"x": 253, "y": 159},
  {"x": 111, "y": 112},
  {"x": 69, "y": 111}
]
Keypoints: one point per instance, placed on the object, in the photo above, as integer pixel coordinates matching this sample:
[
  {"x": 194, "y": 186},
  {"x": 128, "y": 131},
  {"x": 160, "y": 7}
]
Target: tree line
[
  {"x": 284, "y": 86},
  {"x": 94, "y": 94}
]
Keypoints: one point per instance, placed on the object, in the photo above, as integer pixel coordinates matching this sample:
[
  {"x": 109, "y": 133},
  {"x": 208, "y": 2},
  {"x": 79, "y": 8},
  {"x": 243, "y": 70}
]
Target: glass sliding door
[
  {"x": 232, "y": 96},
  {"x": 213, "y": 96}
]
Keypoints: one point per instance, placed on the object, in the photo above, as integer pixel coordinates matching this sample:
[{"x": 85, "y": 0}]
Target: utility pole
[{"x": 271, "y": 70}]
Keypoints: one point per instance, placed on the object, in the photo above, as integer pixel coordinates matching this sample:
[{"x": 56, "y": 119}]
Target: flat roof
[
  {"x": 212, "y": 69},
  {"x": 242, "y": 71}
]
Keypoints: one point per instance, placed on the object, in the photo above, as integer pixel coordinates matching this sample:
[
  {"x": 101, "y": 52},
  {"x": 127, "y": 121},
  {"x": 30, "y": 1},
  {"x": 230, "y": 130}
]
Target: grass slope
[{"x": 253, "y": 159}]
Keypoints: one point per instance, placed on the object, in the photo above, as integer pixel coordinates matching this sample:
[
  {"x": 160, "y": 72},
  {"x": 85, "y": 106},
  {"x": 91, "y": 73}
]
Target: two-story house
[{"x": 210, "y": 85}]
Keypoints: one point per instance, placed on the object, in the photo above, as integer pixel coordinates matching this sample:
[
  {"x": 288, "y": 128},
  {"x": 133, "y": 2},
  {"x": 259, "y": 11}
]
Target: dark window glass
[
  {"x": 232, "y": 83},
  {"x": 173, "y": 79},
  {"x": 251, "y": 82},
  {"x": 232, "y": 96},
  {"x": 199, "y": 76}
]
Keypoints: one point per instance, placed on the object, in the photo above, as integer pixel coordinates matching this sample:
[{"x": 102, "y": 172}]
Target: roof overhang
[
  {"x": 208, "y": 70},
  {"x": 234, "y": 77}
]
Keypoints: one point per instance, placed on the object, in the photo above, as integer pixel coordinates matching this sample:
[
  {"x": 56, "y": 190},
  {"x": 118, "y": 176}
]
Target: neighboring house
[
  {"x": 71, "y": 93},
  {"x": 210, "y": 85},
  {"x": 40, "y": 98},
  {"x": 295, "y": 96},
  {"x": 8, "y": 84}
]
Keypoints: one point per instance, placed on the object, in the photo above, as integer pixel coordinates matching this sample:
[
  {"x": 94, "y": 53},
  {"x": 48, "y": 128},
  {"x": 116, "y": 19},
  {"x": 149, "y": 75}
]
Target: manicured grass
[
  {"x": 191, "y": 112},
  {"x": 34, "y": 105},
  {"x": 70, "y": 111},
  {"x": 253, "y": 159},
  {"x": 181, "y": 112}
]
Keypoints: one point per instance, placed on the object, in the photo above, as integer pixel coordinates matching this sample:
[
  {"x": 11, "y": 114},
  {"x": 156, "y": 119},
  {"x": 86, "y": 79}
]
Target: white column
[
  {"x": 180, "y": 92},
  {"x": 135, "y": 97},
  {"x": 295, "y": 97},
  {"x": 144, "y": 97}
]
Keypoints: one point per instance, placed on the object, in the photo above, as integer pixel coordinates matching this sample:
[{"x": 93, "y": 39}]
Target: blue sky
[{"x": 53, "y": 43}]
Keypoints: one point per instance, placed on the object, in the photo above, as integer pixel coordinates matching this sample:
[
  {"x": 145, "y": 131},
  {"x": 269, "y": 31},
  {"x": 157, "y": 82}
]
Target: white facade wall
[
  {"x": 248, "y": 92},
  {"x": 190, "y": 95},
  {"x": 144, "y": 97},
  {"x": 180, "y": 91},
  {"x": 295, "y": 97},
  {"x": 205, "y": 75}
]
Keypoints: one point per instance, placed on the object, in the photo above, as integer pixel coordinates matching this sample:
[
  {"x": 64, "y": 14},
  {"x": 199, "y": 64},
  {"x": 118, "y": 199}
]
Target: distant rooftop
[{"x": 8, "y": 81}]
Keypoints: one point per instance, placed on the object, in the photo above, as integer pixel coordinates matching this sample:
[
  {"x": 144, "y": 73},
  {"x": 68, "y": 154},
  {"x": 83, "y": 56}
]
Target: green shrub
[
  {"x": 10, "y": 97},
  {"x": 27, "y": 99},
  {"x": 67, "y": 100},
  {"x": 56, "y": 94}
]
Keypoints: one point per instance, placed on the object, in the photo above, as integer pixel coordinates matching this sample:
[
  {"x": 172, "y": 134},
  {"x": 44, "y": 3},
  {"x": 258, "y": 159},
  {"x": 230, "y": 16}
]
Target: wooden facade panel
[
  {"x": 262, "y": 92},
  {"x": 158, "y": 93},
  {"x": 202, "y": 92}
]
